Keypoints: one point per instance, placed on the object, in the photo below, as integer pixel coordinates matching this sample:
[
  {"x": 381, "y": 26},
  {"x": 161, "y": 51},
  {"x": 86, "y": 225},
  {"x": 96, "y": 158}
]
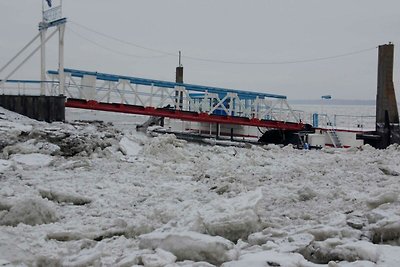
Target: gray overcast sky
[{"x": 227, "y": 30}]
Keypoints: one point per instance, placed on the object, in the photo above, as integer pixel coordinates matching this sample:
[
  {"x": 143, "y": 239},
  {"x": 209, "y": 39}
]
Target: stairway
[{"x": 334, "y": 138}]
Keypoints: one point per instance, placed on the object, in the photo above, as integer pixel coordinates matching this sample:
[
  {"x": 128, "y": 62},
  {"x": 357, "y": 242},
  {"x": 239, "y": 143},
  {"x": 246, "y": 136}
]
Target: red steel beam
[{"x": 181, "y": 115}]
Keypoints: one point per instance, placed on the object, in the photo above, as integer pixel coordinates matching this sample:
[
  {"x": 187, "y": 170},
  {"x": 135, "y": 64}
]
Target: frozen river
[{"x": 101, "y": 194}]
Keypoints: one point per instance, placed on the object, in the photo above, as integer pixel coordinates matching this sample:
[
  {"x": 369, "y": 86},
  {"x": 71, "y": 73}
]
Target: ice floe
[{"x": 86, "y": 193}]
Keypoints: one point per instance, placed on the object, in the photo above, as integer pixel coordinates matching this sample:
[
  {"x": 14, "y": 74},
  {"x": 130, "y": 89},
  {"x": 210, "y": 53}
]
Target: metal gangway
[{"x": 188, "y": 102}]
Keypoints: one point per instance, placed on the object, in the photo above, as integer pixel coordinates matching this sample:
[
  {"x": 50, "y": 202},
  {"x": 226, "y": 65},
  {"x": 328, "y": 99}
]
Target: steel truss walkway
[
  {"x": 107, "y": 92},
  {"x": 187, "y": 102}
]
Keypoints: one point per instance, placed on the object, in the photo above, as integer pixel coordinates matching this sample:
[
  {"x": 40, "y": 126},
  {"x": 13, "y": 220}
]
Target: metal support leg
[
  {"x": 61, "y": 31},
  {"x": 42, "y": 62}
]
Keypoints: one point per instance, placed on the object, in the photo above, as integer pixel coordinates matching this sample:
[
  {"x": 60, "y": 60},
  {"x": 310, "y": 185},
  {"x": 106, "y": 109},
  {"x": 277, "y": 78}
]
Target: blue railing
[{"x": 165, "y": 84}]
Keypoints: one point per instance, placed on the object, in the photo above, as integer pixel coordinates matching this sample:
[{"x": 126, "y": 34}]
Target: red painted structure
[{"x": 181, "y": 115}]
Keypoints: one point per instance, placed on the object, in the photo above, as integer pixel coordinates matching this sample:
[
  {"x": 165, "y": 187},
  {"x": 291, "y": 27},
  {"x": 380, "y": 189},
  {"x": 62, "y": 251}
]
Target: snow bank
[
  {"x": 191, "y": 246},
  {"x": 30, "y": 211},
  {"x": 61, "y": 197}
]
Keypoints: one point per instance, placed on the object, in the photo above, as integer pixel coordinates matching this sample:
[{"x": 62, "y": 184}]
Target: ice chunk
[
  {"x": 33, "y": 160},
  {"x": 376, "y": 215},
  {"x": 233, "y": 226},
  {"x": 159, "y": 259},
  {"x": 341, "y": 250},
  {"x": 5, "y": 263},
  {"x": 71, "y": 165},
  {"x": 352, "y": 264},
  {"x": 191, "y": 246},
  {"x": 92, "y": 235},
  {"x": 272, "y": 147},
  {"x": 234, "y": 218},
  {"x": 52, "y": 261},
  {"x": 4, "y": 165},
  {"x": 84, "y": 258},
  {"x": 299, "y": 241},
  {"x": 306, "y": 193},
  {"x": 66, "y": 236},
  {"x": 321, "y": 233},
  {"x": 48, "y": 148},
  {"x": 355, "y": 221},
  {"x": 30, "y": 211},
  {"x": 386, "y": 197},
  {"x": 190, "y": 264},
  {"x": 64, "y": 197},
  {"x": 130, "y": 260},
  {"x": 27, "y": 147},
  {"x": 4, "y": 205},
  {"x": 269, "y": 258},
  {"x": 385, "y": 233},
  {"x": 129, "y": 147},
  {"x": 166, "y": 147},
  {"x": 31, "y": 146},
  {"x": 387, "y": 171},
  {"x": 366, "y": 253},
  {"x": 15, "y": 128},
  {"x": 258, "y": 238}
]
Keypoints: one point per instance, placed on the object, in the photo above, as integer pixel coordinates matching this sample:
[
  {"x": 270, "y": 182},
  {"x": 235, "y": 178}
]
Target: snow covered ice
[{"x": 87, "y": 193}]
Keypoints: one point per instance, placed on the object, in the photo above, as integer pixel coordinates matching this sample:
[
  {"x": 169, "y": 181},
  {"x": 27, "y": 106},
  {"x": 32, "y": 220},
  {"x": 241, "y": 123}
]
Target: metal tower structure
[{"x": 51, "y": 18}]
